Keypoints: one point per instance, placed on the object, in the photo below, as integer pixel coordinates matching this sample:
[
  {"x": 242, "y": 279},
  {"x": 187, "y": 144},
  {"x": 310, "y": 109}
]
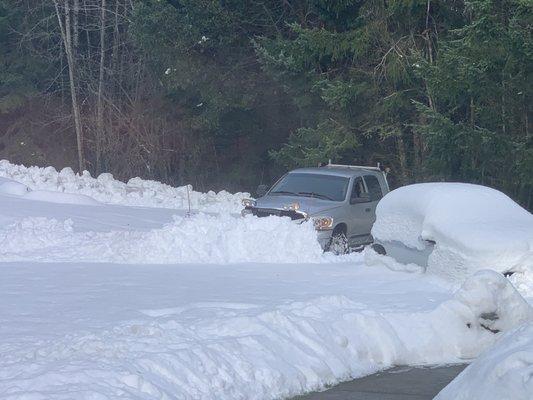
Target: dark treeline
[{"x": 230, "y": 93}]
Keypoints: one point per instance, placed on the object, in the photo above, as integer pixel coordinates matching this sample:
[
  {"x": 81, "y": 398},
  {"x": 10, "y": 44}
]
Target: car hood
[{"x": 310, "y": 205}]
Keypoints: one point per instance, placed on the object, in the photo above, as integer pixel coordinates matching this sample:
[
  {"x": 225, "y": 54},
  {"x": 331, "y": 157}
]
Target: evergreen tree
[
  {"x": 229, "y": 94},
  {"x": 479, "y": 130},
  {"x": 351, "y": 69}
]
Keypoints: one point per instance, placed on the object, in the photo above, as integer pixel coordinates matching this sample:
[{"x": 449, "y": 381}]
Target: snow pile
[
  {"x": 61, "y": 198},
  {"x": 473, "y": 227},
  {"x": 13, "y": 188},
  {"x": 243, "y": 351},
  {"x": 10, "y": 187},
  {"x": 523, "y": 282},
  {"x": 505, "y": 371},
  {"x": 493, "y": 303},
  {"x": 485, "y": 306},
  {"x": 106, "y": 189},
  {"x": 200, "y": 238}
]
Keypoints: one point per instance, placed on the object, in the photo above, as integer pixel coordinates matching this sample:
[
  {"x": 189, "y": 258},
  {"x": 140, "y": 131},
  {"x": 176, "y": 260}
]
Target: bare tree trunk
[
  {"x": 114, "y": 54},
  {"x": 417, "y": 154},
  {"x": 87, "y": 32},
  {"x": 100, "y": 101},
  {"x": 472, "y": 113},
  {"x": 419, "y": 144},
  {"x": 429, "y": 43},
  {"x": 75, "y": 27},
  {"x": 66, "y": 35},
  {"x": 402, "y": 158}
]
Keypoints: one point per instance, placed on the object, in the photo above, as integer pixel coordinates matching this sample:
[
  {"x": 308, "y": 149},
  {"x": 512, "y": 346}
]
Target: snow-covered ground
[
  {"x": 101, "y": 298},
  {"x": 245, "y": 331}
]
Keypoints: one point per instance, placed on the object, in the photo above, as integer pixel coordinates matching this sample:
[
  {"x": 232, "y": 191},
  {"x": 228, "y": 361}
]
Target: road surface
[{"x": 402, "y": 383}]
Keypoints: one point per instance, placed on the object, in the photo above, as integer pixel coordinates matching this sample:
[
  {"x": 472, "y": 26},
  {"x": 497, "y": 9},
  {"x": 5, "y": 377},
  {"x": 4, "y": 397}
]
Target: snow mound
[
  {"x": 106, "y": 189},
  {"x": 10, "y": 187},
  {"x": 473, "y": 227},
  {"x": 225, "y": 351},
  {"x": 13, "y": 188},
  {"x": 61, "y": 198},
  {"x": 486, "y": 305},
  {"x": 523, "y": 282},
  {"x": 503, "y": 372},
  {"x": 200, "y": 238},
  {"x": 494, "y": 304}
]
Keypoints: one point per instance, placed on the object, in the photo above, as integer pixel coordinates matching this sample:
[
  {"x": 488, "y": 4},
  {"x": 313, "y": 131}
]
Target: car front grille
[{"x": 266, "y": 212}]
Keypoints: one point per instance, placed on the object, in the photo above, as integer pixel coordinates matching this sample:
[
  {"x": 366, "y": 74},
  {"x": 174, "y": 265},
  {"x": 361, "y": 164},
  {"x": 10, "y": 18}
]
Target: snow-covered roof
[{"x": 474, "y": 227}]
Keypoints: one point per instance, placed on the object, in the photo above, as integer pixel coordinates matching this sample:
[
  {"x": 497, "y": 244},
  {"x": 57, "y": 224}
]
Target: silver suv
[{"x": 340, "y": 200}]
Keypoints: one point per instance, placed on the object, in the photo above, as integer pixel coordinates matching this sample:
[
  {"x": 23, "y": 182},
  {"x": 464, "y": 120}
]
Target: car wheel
[
  {"x": 379, "y": 249},
  {"x": 338, "y": 244}
]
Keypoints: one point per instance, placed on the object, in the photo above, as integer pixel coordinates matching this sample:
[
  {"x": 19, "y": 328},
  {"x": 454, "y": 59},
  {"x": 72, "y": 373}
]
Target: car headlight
[
  {"x": 292, "y": 207},
  {"x": 248, "y": 202},
  {"x": 323, "y": 223}
]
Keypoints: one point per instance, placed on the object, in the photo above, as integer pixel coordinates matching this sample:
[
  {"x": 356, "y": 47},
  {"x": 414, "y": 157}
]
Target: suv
[{"x": 340, "y": 199}]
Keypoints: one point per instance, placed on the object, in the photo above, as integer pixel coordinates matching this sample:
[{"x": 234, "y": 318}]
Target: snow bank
[
  {"x": 200, "y": 238},
  {"x": 219, "y": 351},
  {"x": 62, "y": 198},
  {"x": 14, "y": 188},
  {"x": 474, "y": 227},
  {"x": 106, "y": 189},
  {"x": 505, "y": 371},
  {"x": 523, "y": 282},
  {"x": 10, "y": 187}
]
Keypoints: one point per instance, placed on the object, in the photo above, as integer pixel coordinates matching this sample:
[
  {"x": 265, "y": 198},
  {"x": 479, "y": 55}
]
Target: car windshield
[{"x": 327, "y": 187}]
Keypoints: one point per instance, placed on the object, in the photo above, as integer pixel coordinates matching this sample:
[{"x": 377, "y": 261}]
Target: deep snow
[
  {"x": 66, "y": 231},
  {"x": 106, "y": 189},
  {"x": 473, "y": 227},
  {"x": 106, "y": 301},
  {"x": 503, "y": 372},
  {"x": 246, "y": 331},
  {"x": 201, "y": 238}
]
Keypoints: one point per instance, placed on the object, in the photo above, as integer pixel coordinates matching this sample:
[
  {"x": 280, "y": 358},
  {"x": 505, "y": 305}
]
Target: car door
[
  {"x": 361, "y": 216},
  {"x": 375, "y": 194}
]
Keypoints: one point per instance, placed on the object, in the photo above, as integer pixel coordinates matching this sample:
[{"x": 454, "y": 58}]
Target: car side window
[
  {"x": 374, "y": 188},
  {"x": 358, "y": 191}
]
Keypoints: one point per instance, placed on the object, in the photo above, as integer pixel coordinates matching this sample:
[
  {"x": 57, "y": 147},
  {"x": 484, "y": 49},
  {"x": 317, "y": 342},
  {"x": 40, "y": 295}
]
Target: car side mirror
[
  {"x": 261, "y": 190},
  {"x": 363, "y": 198}
]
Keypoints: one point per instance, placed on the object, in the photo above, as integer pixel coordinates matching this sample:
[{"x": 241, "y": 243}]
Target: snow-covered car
[
  {"x": 340, "y": 199},
  {"x": 454, "y": 229}
]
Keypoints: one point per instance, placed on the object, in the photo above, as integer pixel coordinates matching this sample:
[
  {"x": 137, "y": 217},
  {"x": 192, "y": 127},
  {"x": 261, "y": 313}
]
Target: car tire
[
  {"x": 379, "y": 249},
  {"x": 338, "y": 244}
]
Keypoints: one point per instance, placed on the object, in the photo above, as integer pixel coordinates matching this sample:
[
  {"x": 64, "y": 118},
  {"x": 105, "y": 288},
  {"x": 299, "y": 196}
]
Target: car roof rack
[{"x": 329, "y": 164}]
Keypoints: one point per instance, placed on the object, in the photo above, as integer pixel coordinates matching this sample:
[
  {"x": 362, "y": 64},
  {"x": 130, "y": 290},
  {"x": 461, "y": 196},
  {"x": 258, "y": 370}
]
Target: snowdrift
[
  {"x": 473, "y": 227},
  {"x": 106, "y": 189},
  {"x": 502, "y": 372},
  {"x": 51, "y": 235},
  {"x": 200, "y": 238},
  {"x": 13, "y": 188},
  {"x": 239, "y": 351}
]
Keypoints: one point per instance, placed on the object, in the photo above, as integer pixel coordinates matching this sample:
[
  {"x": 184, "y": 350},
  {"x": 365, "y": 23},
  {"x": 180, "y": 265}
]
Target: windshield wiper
[
  {"x": 283, "y": 192},
  {"x": 311, "y": 194}
]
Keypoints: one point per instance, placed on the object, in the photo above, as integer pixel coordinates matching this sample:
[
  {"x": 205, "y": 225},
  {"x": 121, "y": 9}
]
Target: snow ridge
[
  {"x": 234, "y": 351},
  {"x": 200, "y": 238},
  {"x": 106, "y": 189}
]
